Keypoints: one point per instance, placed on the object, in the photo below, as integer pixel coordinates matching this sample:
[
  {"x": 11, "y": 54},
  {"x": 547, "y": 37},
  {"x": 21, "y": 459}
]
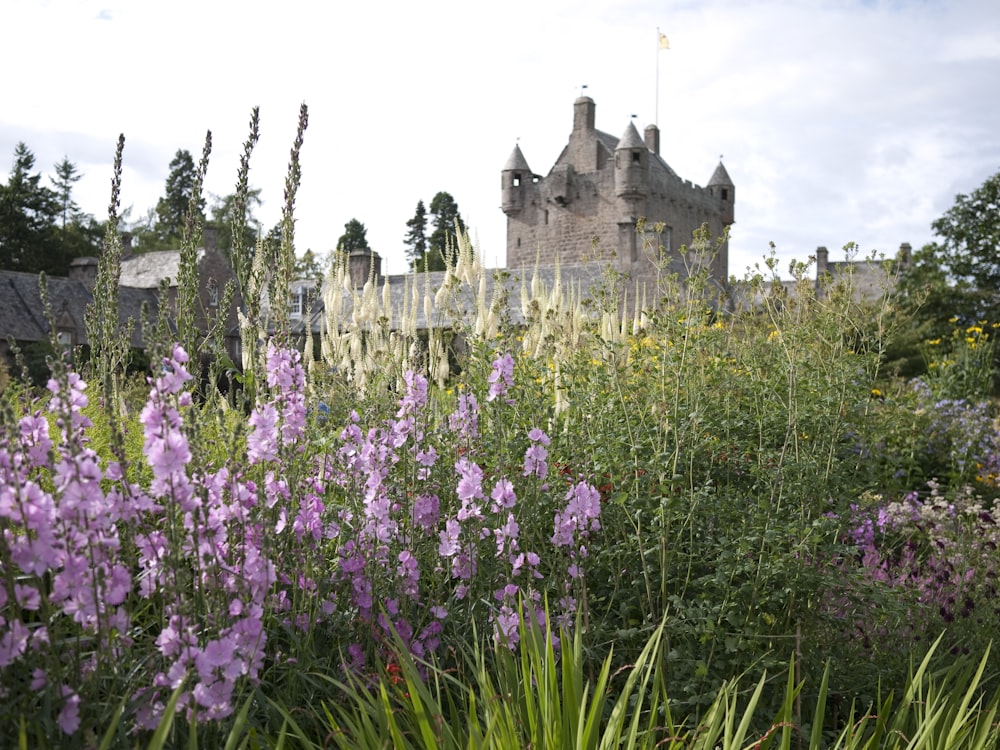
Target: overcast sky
[{"x": 838, "y": 120}]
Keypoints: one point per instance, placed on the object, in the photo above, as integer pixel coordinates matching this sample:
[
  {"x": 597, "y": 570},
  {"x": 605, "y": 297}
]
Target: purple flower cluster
[{"x": 419, "y": 526}]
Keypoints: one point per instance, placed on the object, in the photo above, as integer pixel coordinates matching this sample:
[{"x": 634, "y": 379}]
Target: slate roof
[
  {"x": 22, "y": 314},
  {"x": 147, "y": 270}
]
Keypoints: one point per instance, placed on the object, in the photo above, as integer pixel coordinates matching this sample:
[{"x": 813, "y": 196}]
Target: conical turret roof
[
  {"x": 720, "y": 177},
  {"x": 631, "y": 139},
  {"x": 516, "y": 161}
]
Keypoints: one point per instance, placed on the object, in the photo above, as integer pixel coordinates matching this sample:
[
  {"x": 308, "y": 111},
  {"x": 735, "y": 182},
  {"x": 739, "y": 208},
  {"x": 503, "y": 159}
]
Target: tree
[
  {"x": 353, "y": 238},
  {"x": 29, "y": 213},
  {"x": 311, "y": 266},
  {"x": 66, "y": 177},
  {"x": 79, "y": 233},
  {"x": 172, "y": 208},
  {"x": 951, "y": 282},
  {"x": 447, "y": 220},
  {"x": 970, "y": 239},
  {"x": 416, "y": 237},
  {"x": 223, "y": 210}
]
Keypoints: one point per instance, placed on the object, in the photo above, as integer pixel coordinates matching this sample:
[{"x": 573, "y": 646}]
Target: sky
[{"x": 838, "y": 120}]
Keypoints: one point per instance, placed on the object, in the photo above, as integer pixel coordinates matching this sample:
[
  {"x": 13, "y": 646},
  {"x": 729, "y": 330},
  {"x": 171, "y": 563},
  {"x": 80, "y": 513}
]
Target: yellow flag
[{"x": 664, "y": 42}]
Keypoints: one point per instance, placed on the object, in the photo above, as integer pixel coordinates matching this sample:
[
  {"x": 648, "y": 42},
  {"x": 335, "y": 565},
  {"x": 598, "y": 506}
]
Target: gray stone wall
[{"x": 588, "y": 205}]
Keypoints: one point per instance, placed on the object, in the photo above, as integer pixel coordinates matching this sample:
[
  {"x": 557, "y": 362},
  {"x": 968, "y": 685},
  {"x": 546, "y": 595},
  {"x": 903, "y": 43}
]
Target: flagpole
[{"x": 656, "y": 119}]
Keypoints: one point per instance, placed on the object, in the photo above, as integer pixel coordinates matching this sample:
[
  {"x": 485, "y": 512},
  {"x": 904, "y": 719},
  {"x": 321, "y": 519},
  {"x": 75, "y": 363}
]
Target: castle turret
[
  {"x": 631, "y": 165},
  {"x": 584, "y": 115},
  {"x": 721, "y": 186},
  {"x": 515, "y": 178}
]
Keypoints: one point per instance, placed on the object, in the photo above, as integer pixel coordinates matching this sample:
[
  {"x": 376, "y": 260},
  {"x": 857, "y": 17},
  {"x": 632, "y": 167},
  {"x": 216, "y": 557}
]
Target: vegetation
[
  {"x": 668, "y": 527},
  {"x": 434, "y": 253},
  {"x": 355, "y": 237},
  {"x": 41, "y": 229}
]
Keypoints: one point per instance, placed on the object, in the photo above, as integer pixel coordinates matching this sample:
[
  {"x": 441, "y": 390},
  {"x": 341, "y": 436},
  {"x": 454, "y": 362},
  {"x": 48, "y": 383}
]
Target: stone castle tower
[{"x": 598, "y": 189}]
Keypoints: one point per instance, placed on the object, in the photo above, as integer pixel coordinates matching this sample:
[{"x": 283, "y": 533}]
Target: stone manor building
[{"x": 589, "y": 203}]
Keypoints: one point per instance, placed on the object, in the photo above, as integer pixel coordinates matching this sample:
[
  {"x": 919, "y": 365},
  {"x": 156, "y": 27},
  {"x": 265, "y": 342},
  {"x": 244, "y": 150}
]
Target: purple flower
[
  {"x": 465, "y": 419},
  {"x": 503, "y": 495},
  {"x": 535, "y": 461},
  {"x": 502, "y": 377},
  {"x": 69, "y": 716},
  {"x": 426, "y": 511}
]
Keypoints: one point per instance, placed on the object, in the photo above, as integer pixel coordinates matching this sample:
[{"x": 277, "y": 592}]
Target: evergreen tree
[
  {"x": 354, "y": 237},
  {"x": 447, "y": 220},
  {"x": 29, "y": 212},
  {"x": 79, "y": 233},
  {"x": 416, "y": 237},
  {"x": 66, "y": 177},
  {"x": 172, "y": 208}
]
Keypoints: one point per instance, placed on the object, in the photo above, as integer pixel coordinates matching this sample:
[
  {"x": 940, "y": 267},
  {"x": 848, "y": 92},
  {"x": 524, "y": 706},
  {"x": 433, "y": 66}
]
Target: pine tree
[
  {"x": 447, "y": 220},
  {"x": 416, "y": 237},
  {"x": 29, "y": 214},
  {"x": 172, "y": 208}
]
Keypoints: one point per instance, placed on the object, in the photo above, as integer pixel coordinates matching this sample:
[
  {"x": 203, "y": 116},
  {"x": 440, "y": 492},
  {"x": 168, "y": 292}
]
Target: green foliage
[
  {"x": 956, "y": 276},
  {"x": 224, "y": 217},
  {"x": 961, "y": 365},
  {"x": 29, "y": 212},
  {"x": 109, "y": 339},
  {"x": 182, "y": 198},
  {"x": 354, "y": 237},
  {"x": 416, "y": 236},
  {"x": 970, "y": 240},
  {"x": 442, "y": 243}
]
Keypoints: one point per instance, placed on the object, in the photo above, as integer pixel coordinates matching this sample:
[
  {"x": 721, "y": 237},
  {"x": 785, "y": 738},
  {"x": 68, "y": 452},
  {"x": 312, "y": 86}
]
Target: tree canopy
[
  {"x": 172, "y": 208},
  {"x": 954, "y": 280},
  {"x": 42, "y": 229},
  {"x": 430, "y": 253},
  {"x": 355, "y": 237},
  {"x": 970, "y": 239}
]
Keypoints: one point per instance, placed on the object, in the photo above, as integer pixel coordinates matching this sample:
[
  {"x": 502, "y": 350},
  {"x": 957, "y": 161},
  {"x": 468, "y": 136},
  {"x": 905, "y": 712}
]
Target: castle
[{"x": 596, "y": 193}]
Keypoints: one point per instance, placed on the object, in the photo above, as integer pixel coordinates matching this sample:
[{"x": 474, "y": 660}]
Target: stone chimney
[
  {"x": 126, "y": 240},
  {"x": 652, "y": 138},
  {"x": 822, "y": 260},
  {"x": 84, "y": 269},
  {"x": 361, "y": 264}
]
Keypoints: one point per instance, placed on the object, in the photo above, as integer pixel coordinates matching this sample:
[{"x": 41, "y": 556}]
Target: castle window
[
  {"x": 519, "y": 242},
  {"x": 213, "y": 293},
  {"x": 636, "y": 157},
  {"x": 535, "y": 178},
  {"x": 725, "y": 194},
  {"x": 517, "y": 179},
  {"x": 546, "y": 216}
]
